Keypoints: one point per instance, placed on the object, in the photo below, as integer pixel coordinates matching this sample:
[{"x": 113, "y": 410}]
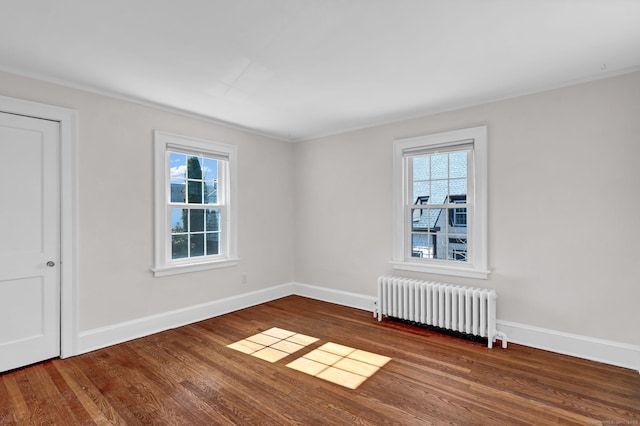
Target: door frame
[{"x": 68, "y": 122}]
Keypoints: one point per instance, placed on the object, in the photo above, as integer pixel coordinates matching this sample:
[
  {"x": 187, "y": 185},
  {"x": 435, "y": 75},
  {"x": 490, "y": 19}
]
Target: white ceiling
[{"x": 298, "y": 69}]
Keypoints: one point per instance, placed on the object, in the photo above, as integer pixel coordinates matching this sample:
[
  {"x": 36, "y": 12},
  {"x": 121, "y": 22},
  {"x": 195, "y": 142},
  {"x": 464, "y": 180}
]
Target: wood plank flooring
[{"x": 188, "y": 376}]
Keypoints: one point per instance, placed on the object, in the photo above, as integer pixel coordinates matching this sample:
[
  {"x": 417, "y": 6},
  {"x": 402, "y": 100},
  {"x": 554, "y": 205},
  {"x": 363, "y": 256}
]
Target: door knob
[{"x": 51, "y": 264}]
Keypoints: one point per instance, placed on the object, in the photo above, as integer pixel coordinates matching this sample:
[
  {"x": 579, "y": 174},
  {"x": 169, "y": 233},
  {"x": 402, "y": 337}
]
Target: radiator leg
[
  {"x": 503, "y": 337},
  {"x": 377, "y": 311}
]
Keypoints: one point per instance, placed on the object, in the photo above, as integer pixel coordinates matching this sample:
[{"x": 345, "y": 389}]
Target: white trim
[
  {"x": 117, "y": 333},
  {"x": 457, "y": 106},
  {"x": 144, "y": 102},
  {"x": 599, "y": 350},
  {"x": 339, "y": 297},
  {"x": 193, "y": 267},
  {"x": 477, "y": 266},
  {"x": 163, "y": 142},
  {"x": 591, "y": 348},
  {"x": 421, "y": 113},
  {"x": 442, "y": 270},
  {"x": 68, "y": 120},
  {"x": 594, "y": 349}
]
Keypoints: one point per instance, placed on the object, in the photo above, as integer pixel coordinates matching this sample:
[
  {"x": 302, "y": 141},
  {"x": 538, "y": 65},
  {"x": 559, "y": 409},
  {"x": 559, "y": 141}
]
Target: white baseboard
[
  {"x": 106, "y": 336},
  {"x": 594, "y": 349},
  {"x": 339, "y": 297},
  {"x": 605, "y": 351}
]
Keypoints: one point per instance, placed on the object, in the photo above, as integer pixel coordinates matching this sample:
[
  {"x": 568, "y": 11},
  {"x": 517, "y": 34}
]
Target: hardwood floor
[{"x": 189, "y": 376}]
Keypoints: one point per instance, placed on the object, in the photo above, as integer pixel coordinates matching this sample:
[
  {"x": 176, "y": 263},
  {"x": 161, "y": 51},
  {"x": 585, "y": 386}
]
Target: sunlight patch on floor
[
  {"x": 339, "y": 364},
  {"x": 274, "y": 344},
  {"x": 342, "y": 365}
]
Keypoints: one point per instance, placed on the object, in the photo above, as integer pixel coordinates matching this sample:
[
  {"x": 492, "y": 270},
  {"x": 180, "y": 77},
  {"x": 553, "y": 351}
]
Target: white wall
[
  {"x": 116, "y": 207},
  {"x": 563, "y": 198},
  {"x": 563, "y": 202}
]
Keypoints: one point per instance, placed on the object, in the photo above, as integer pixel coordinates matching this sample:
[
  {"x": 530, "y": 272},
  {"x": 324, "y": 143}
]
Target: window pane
[
  {"x": 439, "y": 191},
  {"x": 421, "y": 168},
  {"x": 211, "y": 192},
  {"x": 197, "y": 244},
  {"x": 439, "y": 166},
  {"x": 457, "y": 248},
  {"x": 213, "y": 243},
  {"x": 458, "y": 164},
  {"x": 213, "y": 220},
  {"x": 178, "y": 191},
  {"x": 438, "y": 219},
  {"x": 178, "y": 166},
  {"x": 459, "y": 255},
  {"x": 440, "y": 246},
  {"x": 420, "y": 220},
  {"x": 179, "y": 220},
  {"x": 210, "y": 169},
  {"x": 196, "y": 223},
  {"x": 195, "y": 191},
  {"x": 416, "y": 217},
  {"x": 179, "y": 246},
  {"x": 458, "y": 187},
  {"x": 420, "y": 190},
  {"x": 422, "y": 245},
  {"x": 428, "y": 219},
  {"x": 460, "y": 217},
  {"x": 194, "y": 168}
]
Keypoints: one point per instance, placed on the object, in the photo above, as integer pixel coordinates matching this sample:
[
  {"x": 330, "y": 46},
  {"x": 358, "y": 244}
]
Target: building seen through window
[{"x": 439, "y": 211}]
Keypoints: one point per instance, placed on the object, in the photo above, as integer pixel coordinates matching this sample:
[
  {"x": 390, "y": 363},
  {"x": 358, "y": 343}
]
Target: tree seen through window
[{"x": 195, "y": 222}]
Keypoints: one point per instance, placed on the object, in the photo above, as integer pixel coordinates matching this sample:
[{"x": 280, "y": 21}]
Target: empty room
[{"x": 319, "y": 212}]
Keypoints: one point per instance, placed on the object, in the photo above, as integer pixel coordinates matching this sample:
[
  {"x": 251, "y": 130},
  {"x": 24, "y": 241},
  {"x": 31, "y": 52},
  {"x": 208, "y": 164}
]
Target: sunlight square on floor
[
  {"x": 339, "y": 364},
  {"x": 272, "y": 345}
]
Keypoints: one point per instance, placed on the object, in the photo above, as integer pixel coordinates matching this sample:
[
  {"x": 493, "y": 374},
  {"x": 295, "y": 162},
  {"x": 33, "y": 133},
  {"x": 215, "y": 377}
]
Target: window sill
[
  {"x": 193, "y": 267},
  {"x": 442, "y": 270}
]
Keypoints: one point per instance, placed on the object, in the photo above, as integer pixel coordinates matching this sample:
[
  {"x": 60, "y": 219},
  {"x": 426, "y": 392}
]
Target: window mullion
[{"x": 168, "y": 236}]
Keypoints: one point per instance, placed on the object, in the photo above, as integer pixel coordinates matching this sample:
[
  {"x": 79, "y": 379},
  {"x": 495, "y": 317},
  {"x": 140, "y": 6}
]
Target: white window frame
[
  {"x": 163, "y": 264},
  {"x": 477, "y": 220}
]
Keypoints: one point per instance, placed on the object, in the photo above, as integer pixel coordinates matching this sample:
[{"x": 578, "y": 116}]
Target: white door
[{"x": 29, "y": 240}]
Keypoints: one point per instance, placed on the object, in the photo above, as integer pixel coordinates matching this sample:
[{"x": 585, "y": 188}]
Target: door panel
[
  {"x": 29, "y": 238},
  {"x": 31, "y": 313}
]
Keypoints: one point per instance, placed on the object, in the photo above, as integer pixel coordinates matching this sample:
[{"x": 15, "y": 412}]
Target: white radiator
[{"x": 462, "y": 309}]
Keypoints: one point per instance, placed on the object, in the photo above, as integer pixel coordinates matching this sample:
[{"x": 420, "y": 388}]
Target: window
[
  {"x": 440, "y": 221},
  {"x": 195, "y": 204}
]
